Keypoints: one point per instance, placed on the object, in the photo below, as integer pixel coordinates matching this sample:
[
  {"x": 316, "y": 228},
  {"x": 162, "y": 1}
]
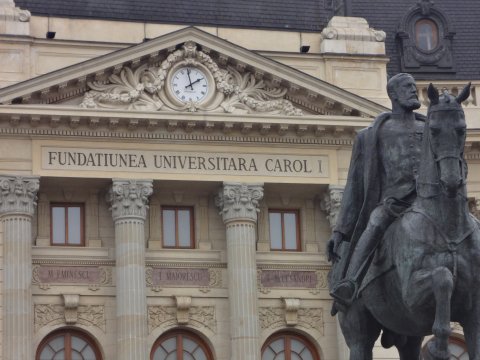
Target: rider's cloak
[{"x": 363, "y": 191}]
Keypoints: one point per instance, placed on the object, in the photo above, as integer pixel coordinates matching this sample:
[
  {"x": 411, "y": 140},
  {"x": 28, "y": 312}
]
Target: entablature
[{"x": 41, "y": 120}]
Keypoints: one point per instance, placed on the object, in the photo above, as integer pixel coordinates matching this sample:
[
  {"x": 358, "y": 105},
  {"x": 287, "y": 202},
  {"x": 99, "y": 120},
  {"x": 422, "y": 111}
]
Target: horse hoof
[{"x": 435, "y": 354}]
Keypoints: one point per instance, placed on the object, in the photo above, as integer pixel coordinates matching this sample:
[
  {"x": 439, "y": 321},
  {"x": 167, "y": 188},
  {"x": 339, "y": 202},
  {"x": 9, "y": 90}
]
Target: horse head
[{"x": 445, "y": 133}]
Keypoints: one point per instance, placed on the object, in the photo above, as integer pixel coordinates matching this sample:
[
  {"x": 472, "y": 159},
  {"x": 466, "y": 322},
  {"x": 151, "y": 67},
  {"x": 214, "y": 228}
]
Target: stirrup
[{"x": 345, "y": 292}]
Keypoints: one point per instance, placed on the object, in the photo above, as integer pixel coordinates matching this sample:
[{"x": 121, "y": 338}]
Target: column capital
[
  {"x": 129, "y": 198},
  {"x": 331, "y": 203},
  {"x": 239, "y": 201},
  {"x": 18, "y": 194}
]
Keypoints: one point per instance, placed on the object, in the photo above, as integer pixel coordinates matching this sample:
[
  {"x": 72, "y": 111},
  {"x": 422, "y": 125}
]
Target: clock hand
[
  {"x": 190, "y": 80},
  {"x": 195, "y": 82}
]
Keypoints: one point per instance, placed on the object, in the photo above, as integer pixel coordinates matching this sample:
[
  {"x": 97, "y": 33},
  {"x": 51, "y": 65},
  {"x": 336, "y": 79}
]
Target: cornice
[
  {"x": 39, "y": 121},
  {"x": 72, "y": 262}
]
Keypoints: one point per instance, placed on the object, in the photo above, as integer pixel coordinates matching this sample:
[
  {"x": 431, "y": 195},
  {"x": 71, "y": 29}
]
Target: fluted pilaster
[
  {"x": 238, "y": 204},
  {"x": 129, "y": 204},
  {"x": 18, "y": 197}
]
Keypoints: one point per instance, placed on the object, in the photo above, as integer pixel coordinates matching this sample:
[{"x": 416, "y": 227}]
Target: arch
[
  {"x": 68, "y": 341},
  {"x": 284, "y": 344},
  {"x": 181, "y": 342}
]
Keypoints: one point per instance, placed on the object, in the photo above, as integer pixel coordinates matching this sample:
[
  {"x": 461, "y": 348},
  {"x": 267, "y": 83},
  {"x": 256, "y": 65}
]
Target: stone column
[
  {"x": 129, "y": 204},
  {"x": 331, "y": 205},
  {"x": 238, "y": 204},
  {"x": 18, "y": 197}
]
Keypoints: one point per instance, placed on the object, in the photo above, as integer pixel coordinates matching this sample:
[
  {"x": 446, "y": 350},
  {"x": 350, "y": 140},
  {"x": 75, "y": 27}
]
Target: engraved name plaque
[
  {"x": 180, "y": 277},
  {"x": 286, "y": 278},
  {"x": 68, "y": 274}
]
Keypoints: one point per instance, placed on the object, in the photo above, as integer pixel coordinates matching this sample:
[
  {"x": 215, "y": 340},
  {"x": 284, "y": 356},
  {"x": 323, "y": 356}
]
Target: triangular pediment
[{"x": 141, "y": 78}]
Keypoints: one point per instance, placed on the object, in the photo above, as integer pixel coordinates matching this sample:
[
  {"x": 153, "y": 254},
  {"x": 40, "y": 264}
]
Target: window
[
  {"x": 457, "y": 347},
  {"x": 288, "y": 346},
  {"x": 284, "y": 230},
  {"x": 67, "y": 224},
  {"x": 68, "y": 345},
  {"x": 426, "y": 34},
  {"x": 180, "y": 345},
  {"x": 424, "y": 40},
  {"x": 177, "y": 225}
]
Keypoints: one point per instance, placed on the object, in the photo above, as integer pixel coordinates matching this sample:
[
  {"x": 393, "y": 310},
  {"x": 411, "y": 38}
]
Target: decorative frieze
[
  {"x": 129, "y": 198},
  {"x": 239, "y": 201},
  {"x": 53, "y": 314},
  {"x": 166, "y": 316},
  {"x": 161, "y": 317},
  {"x": 18, "y": 194},
  {"x": 276, "y": 317},
  {"x": 314, "y": 138}
]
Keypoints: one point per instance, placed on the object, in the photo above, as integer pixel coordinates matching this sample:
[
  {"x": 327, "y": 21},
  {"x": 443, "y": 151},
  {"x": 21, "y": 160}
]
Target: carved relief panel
[{"x": 189, "y": 79}]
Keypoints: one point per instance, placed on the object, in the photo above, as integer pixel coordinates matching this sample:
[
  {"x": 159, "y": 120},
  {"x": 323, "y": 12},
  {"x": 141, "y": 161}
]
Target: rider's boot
[{"x": 346, "y": 290}]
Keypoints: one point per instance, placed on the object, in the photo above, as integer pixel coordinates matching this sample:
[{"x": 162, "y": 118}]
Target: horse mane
[{"x": 427, "y": 180}]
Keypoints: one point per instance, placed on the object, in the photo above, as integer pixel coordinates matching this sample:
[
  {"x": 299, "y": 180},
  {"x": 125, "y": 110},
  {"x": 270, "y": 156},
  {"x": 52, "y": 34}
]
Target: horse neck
[{"x": 450, "y": 214}]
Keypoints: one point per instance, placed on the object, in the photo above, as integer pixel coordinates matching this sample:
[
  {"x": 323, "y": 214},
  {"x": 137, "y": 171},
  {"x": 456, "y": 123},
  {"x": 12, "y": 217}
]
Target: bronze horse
[{"x": 425, "y": 273}]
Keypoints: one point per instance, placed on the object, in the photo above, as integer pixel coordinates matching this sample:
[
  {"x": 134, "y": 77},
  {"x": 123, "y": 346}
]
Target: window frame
[
  {"x": 68, "y": 333},
  {"x": 288, "y": 336},
  {"x": 435, "y": 33},
  {"x": 178, "y": 333},
  {"x": 297, "y": 223},
  {"x": 192, "y": 226},
  {"x": 66, "y": 205}
]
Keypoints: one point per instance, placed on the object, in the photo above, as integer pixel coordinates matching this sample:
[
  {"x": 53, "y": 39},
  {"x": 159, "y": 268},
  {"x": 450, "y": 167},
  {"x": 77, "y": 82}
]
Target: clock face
[{"x": 189, "y": 84}]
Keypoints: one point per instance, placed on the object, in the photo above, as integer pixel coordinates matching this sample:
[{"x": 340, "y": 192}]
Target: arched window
[
  {"x": 457, "y": 347},
  {"x": 180, "y": 345},
  {"x": 426, "y": 34},
  {"x": 68, "y": 344},
  {"x": 287, "y": 346}
]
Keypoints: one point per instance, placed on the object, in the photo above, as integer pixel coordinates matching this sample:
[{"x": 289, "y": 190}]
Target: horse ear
[
  {"x": 433, "y": 94},
  {"x": 464, "y": 94}
]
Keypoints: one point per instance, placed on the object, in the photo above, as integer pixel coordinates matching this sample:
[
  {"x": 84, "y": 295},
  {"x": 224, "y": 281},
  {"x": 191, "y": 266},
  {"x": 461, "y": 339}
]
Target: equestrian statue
[{"x": 405, "y": 249}]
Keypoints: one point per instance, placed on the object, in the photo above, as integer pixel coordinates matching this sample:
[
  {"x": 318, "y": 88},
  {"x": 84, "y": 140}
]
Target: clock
[{"x": 189, "y": 84}]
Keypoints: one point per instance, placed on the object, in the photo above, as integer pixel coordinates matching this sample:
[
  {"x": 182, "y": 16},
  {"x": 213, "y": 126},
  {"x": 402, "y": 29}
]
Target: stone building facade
[{"x": 177, "y": 194}]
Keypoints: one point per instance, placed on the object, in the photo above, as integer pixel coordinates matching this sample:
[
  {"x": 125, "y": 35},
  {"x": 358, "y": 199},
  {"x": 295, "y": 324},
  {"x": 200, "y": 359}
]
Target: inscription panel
[
  {"x": 57, "y": 160},
  {"x": 93, "y": 276},
  {"x": 290, "y": 279},
  {"x": 68, "y": 274},
  {"x": 180, "y": 277}
]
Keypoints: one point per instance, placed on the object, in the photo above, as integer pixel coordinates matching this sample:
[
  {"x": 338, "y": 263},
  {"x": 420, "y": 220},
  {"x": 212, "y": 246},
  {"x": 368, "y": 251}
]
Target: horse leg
[
  {"x": 442, "y": 283},
  {"x": 471, "y": 330},
  {"x": 360, "y": 330},
  {"x": 410, "y": 350}
]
